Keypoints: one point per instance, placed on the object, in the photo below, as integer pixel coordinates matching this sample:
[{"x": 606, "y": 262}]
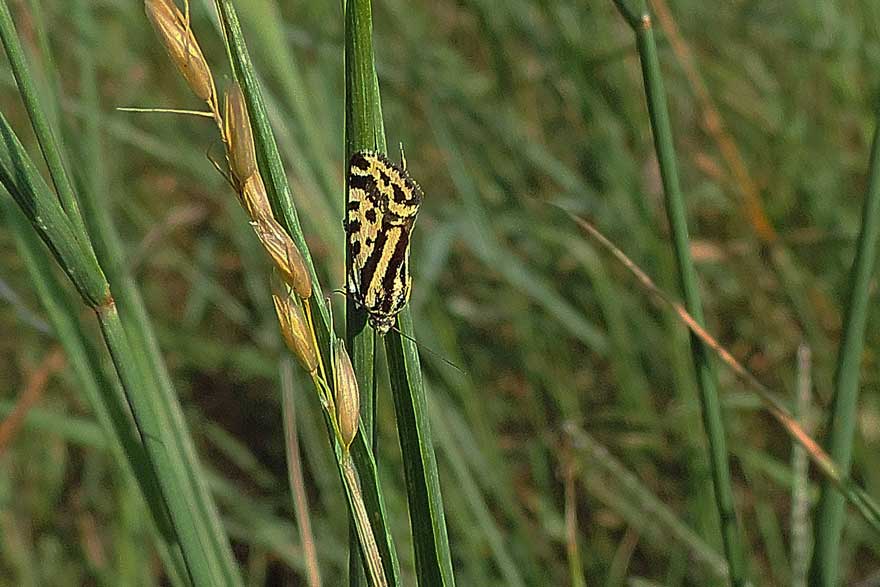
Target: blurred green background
[{"x": 577, "y": 396}]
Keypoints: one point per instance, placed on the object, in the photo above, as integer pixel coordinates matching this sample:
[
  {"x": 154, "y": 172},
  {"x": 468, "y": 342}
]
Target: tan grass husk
[
  {"x": 295, "y": 330},
  {"x": 182, "y": 47},
  {"x": 286, "y": 257},
  {"x": 254, "y": 197},
  {"x": 348, "y": 397},
  {"x": 239, "y": 137}
]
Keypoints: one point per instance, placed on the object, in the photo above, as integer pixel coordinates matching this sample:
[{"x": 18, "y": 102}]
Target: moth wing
[{"x": 364, "y": 218}]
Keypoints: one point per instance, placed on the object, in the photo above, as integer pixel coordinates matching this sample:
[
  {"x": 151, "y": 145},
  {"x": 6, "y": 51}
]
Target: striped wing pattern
[{"x": 383, "y": 202}]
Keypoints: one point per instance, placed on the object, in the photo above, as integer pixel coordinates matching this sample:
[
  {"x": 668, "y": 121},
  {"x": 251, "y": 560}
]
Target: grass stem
[{"x": 842, "y": 421}]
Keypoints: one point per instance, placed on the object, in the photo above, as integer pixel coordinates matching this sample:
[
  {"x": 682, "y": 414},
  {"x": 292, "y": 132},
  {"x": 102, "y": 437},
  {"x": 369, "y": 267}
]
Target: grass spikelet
[
  {"x": 284, "y": 254},
  {"x": 182, "y": 47},
  {"x": 254, "y": 198},
  {"x": 348, "y": 403},
  {"x": 295, "y": 329},
  {"x": 239, "y": 137}
]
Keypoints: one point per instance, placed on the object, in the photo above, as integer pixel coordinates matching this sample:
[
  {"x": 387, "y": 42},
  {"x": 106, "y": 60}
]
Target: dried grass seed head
[
  {"x": 182, "y": 47},
  {"x": 254, "y": 197},
  {"x": 295, "y": 329},
  {"x": 239, "y": 136},
  {"x": 348, "y": 397},
  {"x": 286, "y": 257}
]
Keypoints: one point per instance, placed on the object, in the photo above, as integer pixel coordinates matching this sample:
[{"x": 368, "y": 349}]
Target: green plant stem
[
  {"x": 841, "y": 429},
  {"x": 364, "y": 130},
  {"x": 133, "y": 313},
  {"x": 102, "y": 391},
  {"x": 677, "y": 217},
  {"x": 146, "y": 415},
  {"x": 369, "y": 491},
  {"x": 49, "y": 143}
]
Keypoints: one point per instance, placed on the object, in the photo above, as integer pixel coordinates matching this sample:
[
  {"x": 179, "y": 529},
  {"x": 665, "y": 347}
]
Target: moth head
[{"x": 382, "y": 324}]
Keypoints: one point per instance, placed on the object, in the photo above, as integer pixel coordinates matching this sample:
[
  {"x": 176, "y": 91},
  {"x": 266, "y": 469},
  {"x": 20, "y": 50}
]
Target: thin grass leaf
[
  {"x": 368, "y": 492},
  {"x": 102, "y": 392},
  {"x": 49, "y": 143},
  {"x": 137, "y": 323},
  {"x": 677, "y": 217},
  {"x": 365, "y": 130},
  {"x": 361, "y": 133},
  {"x": 841, "y": 428}
]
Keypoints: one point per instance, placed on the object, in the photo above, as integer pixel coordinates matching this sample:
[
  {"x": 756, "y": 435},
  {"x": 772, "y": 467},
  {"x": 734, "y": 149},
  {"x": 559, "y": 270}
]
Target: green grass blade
[
  {"x": 132, "y": 311},
  {"x": 49, "y": 143},
  {"x": 677, "y": 217},
  {"x": 280, "y": 196},
  {"x": 365, "y": 130},
  {"x": 103, "y": 393},
  {"x": 19, "y": 176},
  {"x": 427, "y": 517},
  {"x": 362, "y": 132},
  {"x": 78, "y": 260},
  {"x": 840, "y": 437}
]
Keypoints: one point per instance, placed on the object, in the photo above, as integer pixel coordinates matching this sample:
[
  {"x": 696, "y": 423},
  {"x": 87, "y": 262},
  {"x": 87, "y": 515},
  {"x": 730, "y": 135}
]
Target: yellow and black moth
[{"x": 383, "y": 202}]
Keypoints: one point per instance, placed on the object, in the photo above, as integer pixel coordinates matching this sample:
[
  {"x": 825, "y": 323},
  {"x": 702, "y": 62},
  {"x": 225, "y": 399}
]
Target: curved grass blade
[
  {"x": 101, "y": 391},
  {"x": 133, "y": 313},
  {"x": 20, "y": 177}
]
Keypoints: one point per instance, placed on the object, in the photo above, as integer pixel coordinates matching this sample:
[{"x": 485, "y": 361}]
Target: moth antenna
[
  {"x": 402, "y": 156},
  {"x": 430, "y": 350},
  {"x": 414, "y": 341}
]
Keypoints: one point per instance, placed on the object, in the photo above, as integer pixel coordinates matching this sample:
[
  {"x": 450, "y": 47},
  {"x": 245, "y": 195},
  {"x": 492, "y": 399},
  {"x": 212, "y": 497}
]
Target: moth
[{"x": 383, "y": 202}]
